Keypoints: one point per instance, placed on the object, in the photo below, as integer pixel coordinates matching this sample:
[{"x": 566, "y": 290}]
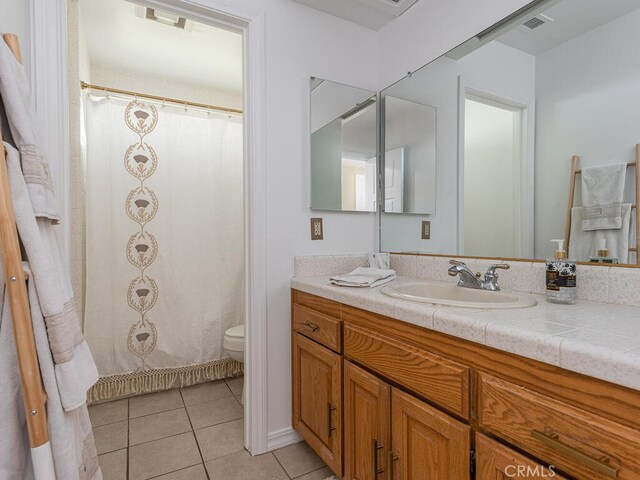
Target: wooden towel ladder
[
  {"x": 572, "y": 189},
  {"x": 33, "y": 393}
]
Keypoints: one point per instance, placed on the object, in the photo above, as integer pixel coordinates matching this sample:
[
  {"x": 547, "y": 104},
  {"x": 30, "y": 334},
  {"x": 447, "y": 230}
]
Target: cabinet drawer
[
  {"x": 436, "y": 378},
  {"x": 497, "y": 461},
  {"x": 322, "y": 328},
  {"x": 575, "y": 441}
]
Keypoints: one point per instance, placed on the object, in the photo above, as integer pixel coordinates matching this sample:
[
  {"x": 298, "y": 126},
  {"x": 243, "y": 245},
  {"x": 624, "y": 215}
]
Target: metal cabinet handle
[
  {"x": 331, "y": 409},
  {"x": 375, "y": 446},
  {"x": 312, "y": 326},
  {"x": 600, "y": 465}
]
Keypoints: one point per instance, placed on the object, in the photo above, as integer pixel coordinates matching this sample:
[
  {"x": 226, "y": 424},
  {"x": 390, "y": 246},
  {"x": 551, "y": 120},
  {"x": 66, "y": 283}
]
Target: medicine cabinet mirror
[
  {"x": 518, "y": 116},
  {"x": 343, "y": 147}
]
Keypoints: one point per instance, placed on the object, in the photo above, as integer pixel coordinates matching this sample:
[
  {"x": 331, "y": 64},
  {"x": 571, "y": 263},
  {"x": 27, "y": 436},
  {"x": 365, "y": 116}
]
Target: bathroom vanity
[{"x": 378, "y": 397}]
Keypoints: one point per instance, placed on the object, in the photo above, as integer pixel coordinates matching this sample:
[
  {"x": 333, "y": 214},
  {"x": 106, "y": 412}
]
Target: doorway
[
  {"x": 249, "y": 23},
  {"x": 494, "y": 161}
]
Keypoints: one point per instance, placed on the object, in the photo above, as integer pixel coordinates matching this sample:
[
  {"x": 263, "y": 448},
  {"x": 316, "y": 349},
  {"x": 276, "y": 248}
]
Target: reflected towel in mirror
[
  {"x": 584, "y": 244},
  {"x": 602, "y": 193}
]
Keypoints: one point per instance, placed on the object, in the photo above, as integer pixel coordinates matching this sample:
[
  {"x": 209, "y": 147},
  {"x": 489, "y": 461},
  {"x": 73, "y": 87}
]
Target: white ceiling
[
  {"x": 571, "y": 18},
  {"x": 200, "y": 55},
  {"x": 373, "y": 14}
]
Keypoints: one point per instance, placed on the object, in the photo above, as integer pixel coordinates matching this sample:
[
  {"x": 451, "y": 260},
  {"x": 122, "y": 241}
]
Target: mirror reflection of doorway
[
  {"x": 394, "y": 180},
  {"x": 493, "y": 162}
]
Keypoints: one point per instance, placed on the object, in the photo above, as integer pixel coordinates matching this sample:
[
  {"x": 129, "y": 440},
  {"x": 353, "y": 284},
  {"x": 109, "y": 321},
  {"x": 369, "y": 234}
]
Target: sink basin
[{"x": 445, "y": 294}]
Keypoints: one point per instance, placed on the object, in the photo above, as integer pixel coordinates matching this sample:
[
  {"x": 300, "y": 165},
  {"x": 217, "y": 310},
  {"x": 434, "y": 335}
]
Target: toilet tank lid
[{"x": 237, "y": 331}]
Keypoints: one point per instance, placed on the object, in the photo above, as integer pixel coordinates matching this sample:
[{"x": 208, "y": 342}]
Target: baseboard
[{"x": 282, "y": 438}]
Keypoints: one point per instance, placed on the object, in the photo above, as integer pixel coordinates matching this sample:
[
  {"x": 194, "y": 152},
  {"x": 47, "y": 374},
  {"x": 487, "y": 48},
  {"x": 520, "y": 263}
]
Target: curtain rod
[{"x": 85, "y": 85}]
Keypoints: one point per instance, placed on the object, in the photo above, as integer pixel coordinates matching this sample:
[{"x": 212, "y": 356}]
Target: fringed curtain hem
[{"x": 150, "y": 381}]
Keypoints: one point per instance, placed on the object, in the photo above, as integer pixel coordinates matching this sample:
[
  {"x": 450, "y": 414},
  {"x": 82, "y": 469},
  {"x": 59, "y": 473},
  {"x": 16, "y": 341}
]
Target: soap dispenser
[{"x": 561, "y": 277}]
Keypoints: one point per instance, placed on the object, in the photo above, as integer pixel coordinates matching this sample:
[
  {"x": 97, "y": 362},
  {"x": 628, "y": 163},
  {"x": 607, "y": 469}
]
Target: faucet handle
[
  {"x": 456, "y": 262},
  {"x": 492, "y": 269}
]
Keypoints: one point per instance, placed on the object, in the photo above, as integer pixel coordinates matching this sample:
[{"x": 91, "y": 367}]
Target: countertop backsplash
[{"x": 596, "y": 283}]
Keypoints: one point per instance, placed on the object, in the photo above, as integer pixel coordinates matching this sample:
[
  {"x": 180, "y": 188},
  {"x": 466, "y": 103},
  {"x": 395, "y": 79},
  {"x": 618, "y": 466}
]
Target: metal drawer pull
[
  {"x": 312, "y": 326},
  {"x": 375, "y": 446},
  {"x": 600, "y": 465},
  {"x": 331, "y": 409}
]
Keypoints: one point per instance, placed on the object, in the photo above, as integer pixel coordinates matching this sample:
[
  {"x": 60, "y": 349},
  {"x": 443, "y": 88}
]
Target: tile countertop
[{"x": 595, "y": 339}]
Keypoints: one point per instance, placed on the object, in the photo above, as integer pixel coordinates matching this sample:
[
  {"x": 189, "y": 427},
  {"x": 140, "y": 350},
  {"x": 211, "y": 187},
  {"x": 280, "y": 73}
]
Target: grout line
[
  {"x": 312, "y": 471},
  {"x": 281, "y": 465},
  {"x": 179, "y": 470},
  {"x": 156, "y": 413},
  {"x": 193, "y": 432},
  {"x": 218, "y": 424},
  {"x": 163, "y": 438}
]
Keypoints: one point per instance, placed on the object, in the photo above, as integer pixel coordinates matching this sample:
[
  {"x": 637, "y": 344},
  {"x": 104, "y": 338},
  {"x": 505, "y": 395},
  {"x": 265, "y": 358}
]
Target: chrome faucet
[{"x": 468, "y": 279}]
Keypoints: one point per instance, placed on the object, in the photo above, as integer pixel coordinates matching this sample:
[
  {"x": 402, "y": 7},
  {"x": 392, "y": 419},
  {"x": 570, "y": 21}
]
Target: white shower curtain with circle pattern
[{"x": 164, "y": 243}]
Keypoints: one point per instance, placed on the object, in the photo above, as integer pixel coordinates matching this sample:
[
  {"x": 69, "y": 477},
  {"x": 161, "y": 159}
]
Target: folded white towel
[
  {"x": 602, "y": 217},
  {"x": 583, "y": 244},
  {"x": 602, "y": 193},
  {"x": 364, "y": 277}
]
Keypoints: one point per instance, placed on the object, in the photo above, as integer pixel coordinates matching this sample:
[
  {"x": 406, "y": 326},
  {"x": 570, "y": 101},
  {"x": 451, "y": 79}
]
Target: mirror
[
  {"x": 515, "y": 106},
  {"x": 343, "y": 147},
  {"x": 410, "y": 156}
]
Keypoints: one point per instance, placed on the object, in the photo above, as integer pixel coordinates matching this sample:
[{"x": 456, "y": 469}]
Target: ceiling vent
[
  {"x": 535, "y": 22},
  {"x": 161, "y": 16}
]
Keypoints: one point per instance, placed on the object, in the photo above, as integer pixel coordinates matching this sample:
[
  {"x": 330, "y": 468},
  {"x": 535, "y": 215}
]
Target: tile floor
[{"x": 193, "y": 433}]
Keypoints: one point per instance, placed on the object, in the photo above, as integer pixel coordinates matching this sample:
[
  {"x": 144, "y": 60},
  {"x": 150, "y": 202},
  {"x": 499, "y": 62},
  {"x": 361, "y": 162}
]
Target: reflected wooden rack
[{"x": 572, "y": 189}]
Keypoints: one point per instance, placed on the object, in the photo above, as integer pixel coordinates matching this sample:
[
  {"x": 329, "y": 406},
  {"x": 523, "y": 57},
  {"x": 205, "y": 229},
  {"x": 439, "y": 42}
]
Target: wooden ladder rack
[
  {"x": 572, "y": 189},
  {"x": 33, "y": 393}
]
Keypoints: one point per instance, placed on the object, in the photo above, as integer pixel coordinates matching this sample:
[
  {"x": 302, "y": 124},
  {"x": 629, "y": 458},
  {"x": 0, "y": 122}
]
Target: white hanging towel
[
  {"x": 364, "y": 277},
  {"x": 583, "y": 244},
  {"x": 602, "y": 193},
  {"x": 67, "y": 367}
]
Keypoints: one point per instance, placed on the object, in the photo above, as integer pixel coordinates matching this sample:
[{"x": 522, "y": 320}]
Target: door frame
[
  {"x": 50, "y": 87},
  {"x": 525, "y": 215}
]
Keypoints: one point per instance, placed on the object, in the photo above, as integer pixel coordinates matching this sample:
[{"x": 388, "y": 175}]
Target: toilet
[
  {"x": 234, "y": 345},
  {"x": 234, "y": 342}
]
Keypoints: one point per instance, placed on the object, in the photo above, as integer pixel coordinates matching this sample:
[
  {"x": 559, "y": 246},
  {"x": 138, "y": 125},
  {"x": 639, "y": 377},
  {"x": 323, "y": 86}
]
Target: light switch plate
[
  {"x": 426, "y": 230},
  {"x": 316, "y": 229}
]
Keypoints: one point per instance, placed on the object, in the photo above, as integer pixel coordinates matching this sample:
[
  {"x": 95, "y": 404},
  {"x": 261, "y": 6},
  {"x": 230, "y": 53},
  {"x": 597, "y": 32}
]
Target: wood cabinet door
[
  {"x": 427, "y": 443},
  {"x": 317, "y": 399},
  {"x": 495, "y": 461},
  {"x": 367, "y": 424}
]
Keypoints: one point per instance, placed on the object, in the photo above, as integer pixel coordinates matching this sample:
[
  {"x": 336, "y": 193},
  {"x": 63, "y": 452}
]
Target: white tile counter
[{"x": 595, "y": 339}]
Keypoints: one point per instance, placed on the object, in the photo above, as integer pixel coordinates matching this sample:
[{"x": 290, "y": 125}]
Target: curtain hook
[
  {"x": 163, "y": 103},
  {"x": 185, "y": 107},
  {"x": 208, "y": 111},
  {"x": 106, "y": 93}
]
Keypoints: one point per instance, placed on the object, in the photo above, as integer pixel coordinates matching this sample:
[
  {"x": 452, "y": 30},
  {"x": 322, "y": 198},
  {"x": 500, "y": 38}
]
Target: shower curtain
[{"x": 164, "y": 244}]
